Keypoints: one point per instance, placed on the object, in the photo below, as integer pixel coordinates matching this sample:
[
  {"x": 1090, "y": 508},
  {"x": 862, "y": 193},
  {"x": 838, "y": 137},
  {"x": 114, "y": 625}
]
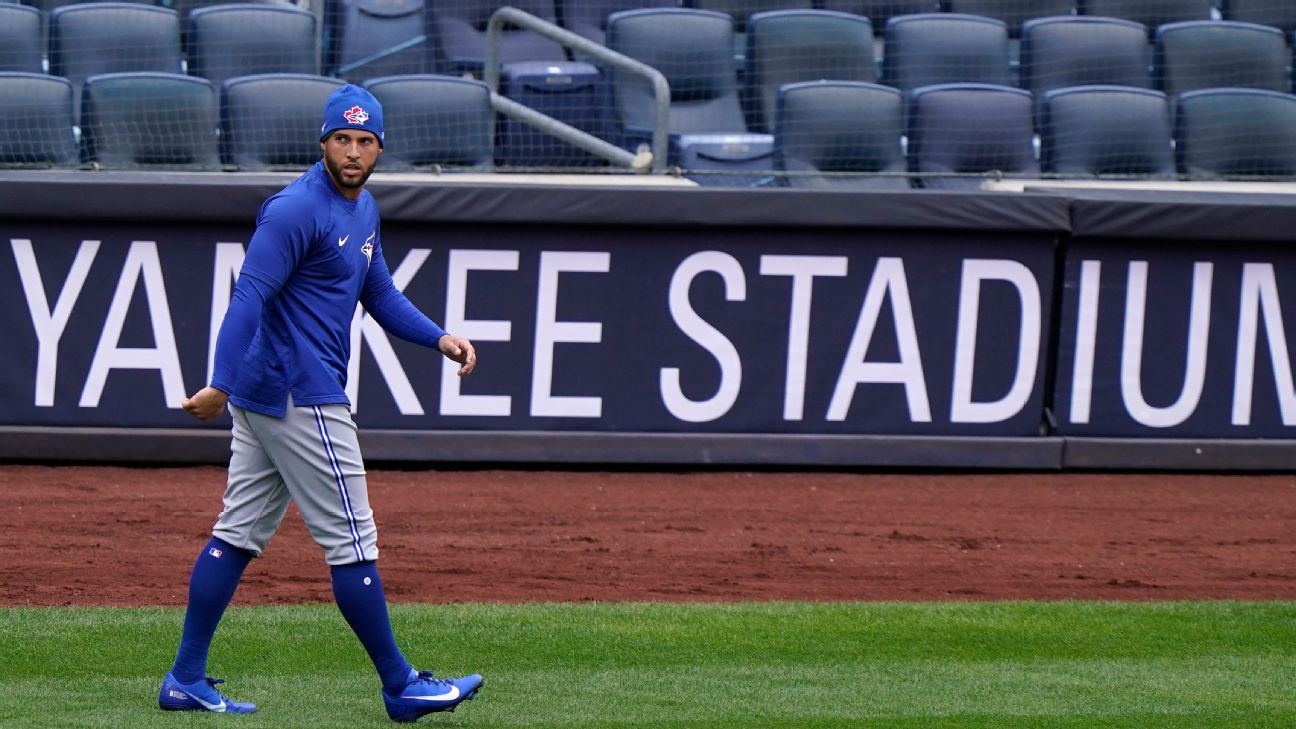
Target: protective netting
[{"x": 829, "y": 93}]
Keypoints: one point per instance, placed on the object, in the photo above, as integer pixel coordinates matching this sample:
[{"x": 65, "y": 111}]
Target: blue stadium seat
[
  {"x": 741, "y": 10},
  {"x": 1274, "y": 13},
  {"x": 430, "y": 122},
  {"x": 960, "y": 129},
  {"x": 572, "y": 92},
  {"x": 938, "y": 48},
  {"x": 1012, "y": 12},
  {"x": 185, "y": 7},
  {"x": 40, "y": 131},
  {"x": 1092, "y": 131},
  {"x": 1205, "y": 54},
  {"x": 789, "y": 46},
  {"x": 112, "y": 37},
  {"x": 459, "y": 32},
  {"x": 373, "y": 38},
  {"x": 880, "y": 11},
  {"x": 841, "y": 127},
  {"x": 150, "y": 120},
  {"x": 48, "y": 6},
  {"x": 693, "y": 50},
  {"x": 1236, "y": 133},
  {"x": 1151, "y": 13},
  {"x": 588, "y": 18},
  {"x": 245, "y": 39},
  {"x": 271, "y": 121},
  {"x": 1059, "y": 52},
  {"x": 20, "y": 39}
]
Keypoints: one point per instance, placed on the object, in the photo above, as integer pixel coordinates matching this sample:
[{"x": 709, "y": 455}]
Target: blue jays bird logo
[
  {"x": 368, "y": 246},
  {"x": 356, "y": 115}
]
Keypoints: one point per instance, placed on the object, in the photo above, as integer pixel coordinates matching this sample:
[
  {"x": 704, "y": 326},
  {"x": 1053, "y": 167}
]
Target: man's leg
[
  {"x": 318, "y": 454},
  {"x": 254, "y": 504}
]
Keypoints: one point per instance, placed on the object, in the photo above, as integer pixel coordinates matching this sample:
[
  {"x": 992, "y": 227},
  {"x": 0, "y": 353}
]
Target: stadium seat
[
  {"x": 1205, "y": 54},
  {"x": 1236, "y": 133},
  {"x": 373, "y": 38},
  {"x": 573, "y": 92},
  {"x": 1274, "y": 13},
  {"x": 20, "y": 39},
  {"x": 841, "y": 127},
  {"x": 741, "y": 10},
  {"x": 150, "y": 120},
  {"x": 588, "y": 18},
  {"x": 880, "y": 11},
  {"x": 1059, "y": 52},
  {"x": 1091, "y": 131},
  {"x": 961, "y": 129},
  {"x": 693, "y": 49},
  {"x": 788, "y": 46},
  {"x": 1151, "y": 13},
  {"x": 185, "y": 7},
  {"x": 434, "y": 121},
  {"x": 112, "y": 37},
  {"x": 40, "y": 129},
  {"x": 1012, "y": 12},
  {"x": 271, "y": 121},
  {"x": 938, "y": 48},
  {"x": 459, "y": 35},
  {"x": 48, "y": 6},
  {"x": 241, "y": 40}
]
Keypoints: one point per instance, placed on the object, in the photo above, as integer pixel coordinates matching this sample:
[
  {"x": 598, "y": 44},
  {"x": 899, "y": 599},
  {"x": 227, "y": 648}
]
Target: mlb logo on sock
[{"x": 215, "y": 552}]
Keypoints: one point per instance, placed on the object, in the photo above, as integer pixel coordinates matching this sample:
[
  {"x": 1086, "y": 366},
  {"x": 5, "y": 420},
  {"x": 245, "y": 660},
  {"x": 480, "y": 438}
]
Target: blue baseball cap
[{"x": 351, "y": 107}]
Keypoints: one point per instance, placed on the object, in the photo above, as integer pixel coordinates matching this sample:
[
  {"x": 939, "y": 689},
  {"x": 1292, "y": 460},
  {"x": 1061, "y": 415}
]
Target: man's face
[{"x": 350, "y": 156}]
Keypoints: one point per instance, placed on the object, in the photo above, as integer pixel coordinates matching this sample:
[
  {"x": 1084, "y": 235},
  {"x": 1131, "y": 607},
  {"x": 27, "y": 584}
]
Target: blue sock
[
  {"x": 216, "y": 576},
  {"x": 360, "y": 597}
]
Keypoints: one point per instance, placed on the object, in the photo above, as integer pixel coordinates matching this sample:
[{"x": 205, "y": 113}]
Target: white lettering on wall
[
  {"x": 962, "y": 408},
  {"x": 141, "y": 264},
  {"x": 1086, "y": 341},
  {"x": 1260, "y": 298},
  {"x": 549, "y": 332},
  {"x": 710, "y": 338},
  {"x": 229, "y": 260},
  {"x": 803, "y": 270},
  {"x": 888, "y": 280},
  {"x": 364, "y": 326},
  {"x": 50, "y": 323},
  {"x": 1132, "y": 349},
  {"x": 478, "y": 330}
]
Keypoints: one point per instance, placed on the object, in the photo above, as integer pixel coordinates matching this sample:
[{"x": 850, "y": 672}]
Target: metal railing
[{"x": 655, "y": 160}]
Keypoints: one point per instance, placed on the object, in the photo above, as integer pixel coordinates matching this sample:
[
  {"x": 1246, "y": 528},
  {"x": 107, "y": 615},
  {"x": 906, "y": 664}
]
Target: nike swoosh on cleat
[
  {"x": 342, "y": 241},
  {"x": 450, "y": 695},
  {"x": 210, "y": 707}
]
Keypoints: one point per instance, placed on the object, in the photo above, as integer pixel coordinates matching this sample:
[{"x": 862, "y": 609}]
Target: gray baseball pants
[{"x": 312, "y": 457}]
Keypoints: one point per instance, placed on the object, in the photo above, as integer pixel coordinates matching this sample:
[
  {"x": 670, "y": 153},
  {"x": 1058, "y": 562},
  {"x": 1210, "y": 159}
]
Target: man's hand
[
  {"x": 460, "y": 350},
  {"x": 206, "y": 404}
]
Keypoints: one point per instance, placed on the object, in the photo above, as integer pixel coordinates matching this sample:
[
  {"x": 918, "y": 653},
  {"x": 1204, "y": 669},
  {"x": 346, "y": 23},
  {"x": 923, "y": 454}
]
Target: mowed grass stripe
[{"x": 686, "y": 665}]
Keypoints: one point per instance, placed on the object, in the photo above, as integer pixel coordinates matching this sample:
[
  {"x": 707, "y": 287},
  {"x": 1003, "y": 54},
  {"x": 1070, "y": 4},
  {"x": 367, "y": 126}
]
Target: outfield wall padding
[{"x": 640, "y": 325}]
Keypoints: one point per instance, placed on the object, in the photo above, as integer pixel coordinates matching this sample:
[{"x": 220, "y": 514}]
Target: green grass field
[{"x": 957, "y": 664}]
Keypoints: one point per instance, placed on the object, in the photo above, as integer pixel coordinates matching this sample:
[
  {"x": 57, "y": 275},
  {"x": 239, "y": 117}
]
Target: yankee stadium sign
[{"x": 829, "y": 332}]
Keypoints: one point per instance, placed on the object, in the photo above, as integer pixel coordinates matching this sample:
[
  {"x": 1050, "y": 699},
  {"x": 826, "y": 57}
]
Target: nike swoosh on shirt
[
  {"x": 342, "y": 241},
  {"x": 450, "y": 695}
]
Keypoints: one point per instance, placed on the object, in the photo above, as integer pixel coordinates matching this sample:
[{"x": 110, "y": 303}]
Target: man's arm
[
  {"x": 395, "y": 313},
  {"x": 279, "y": 243}
]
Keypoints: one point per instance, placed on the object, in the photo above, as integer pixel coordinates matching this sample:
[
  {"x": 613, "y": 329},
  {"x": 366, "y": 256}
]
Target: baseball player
[{"x": 281, "y": 365}]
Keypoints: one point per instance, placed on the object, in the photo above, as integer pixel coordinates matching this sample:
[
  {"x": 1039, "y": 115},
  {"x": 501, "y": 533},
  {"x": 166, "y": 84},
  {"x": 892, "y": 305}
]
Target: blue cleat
[
  {"x": 201, "y": 695},
  {"x": 425, "y": 693}
]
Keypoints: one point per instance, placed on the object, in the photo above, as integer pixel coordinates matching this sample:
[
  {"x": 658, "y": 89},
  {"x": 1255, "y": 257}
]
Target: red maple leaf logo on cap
[{"x": 356, "y": 115}]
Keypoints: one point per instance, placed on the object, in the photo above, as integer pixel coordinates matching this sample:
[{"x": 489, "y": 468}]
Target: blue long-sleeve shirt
[{"x": 314, "y": 255}]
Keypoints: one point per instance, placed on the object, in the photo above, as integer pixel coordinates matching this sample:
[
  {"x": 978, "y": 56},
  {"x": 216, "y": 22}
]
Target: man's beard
[{"x": 336, "y": 171}]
